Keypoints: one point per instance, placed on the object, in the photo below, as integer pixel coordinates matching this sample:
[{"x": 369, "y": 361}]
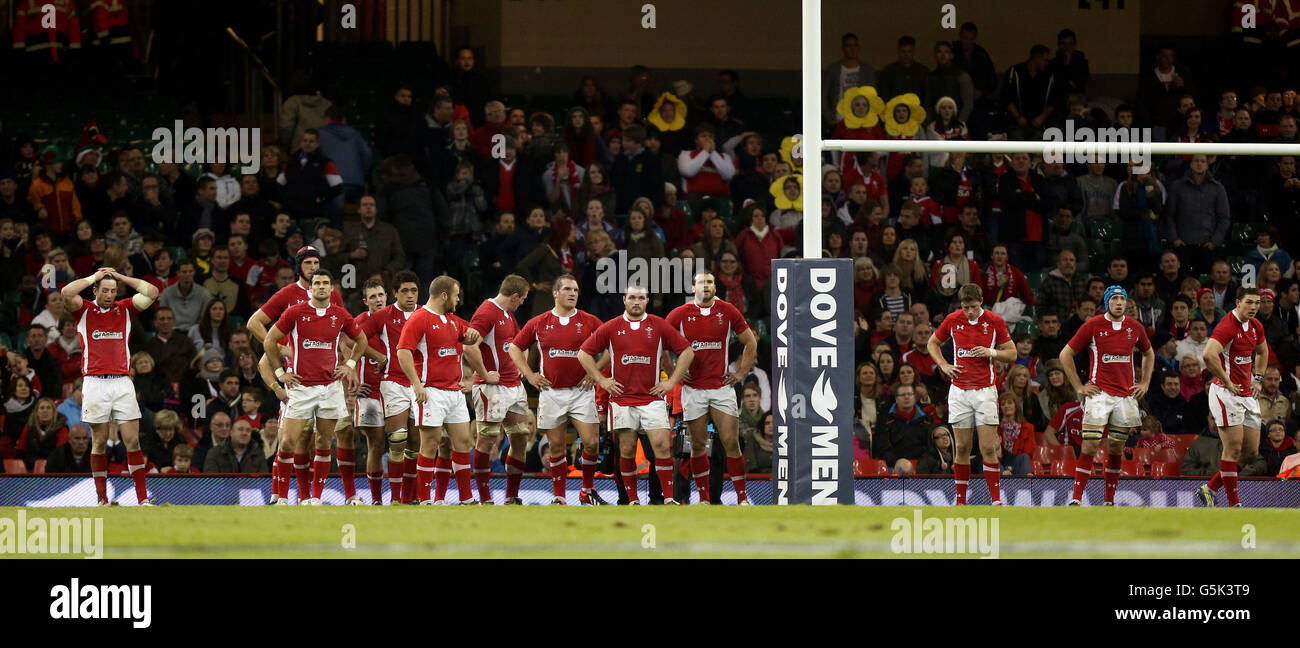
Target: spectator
[
  {"x": 758, "y": 446},
  {"x": 1059, "y": 189},
  {"x": 1153, "y": 435},
  {"x": 900, "y": 438},
  {"x": 512, "y": 182},
  {"x": 1198, "y": 216},
  {"x": 172, "y": 351},
  {"x": 1016, "y": 435},
  {"x": 416, "y": 210},
  {"x": 1098, "y": 191},
  {"x": 1276, "y": 446},
  {"x": 1280, "y": 196},
  {"x": 1062, "y": 236},
  {"x": 635, "y": 173},
  {"x": 1223, "y": 287},
  {"x": 716, "y": 241},
  {"x": 1160, "y": 88},
  {"x": 1191, "y": 380},
  {"x": 1167, "y": 404},
  {"x": 1031, "y": 93},
  {"x": 46, "y": 429},
  {"x": 483, "y": 136},
  {"x": 182, "y": 460},
  {"x": 236, "y": 454},
  {"x": 938, "y": 458},
  {"x": 1206, "y": 310},
  {"x": 905, "y": 75},
  {"x": 214, "y": 329},
  {"x": 950, "y": 81},
  {"x": 1062, "y": 287},
  {"x": 1272, "y": 403},
  {"x": 1266, "y": 249},
  {"x": 469, "y": 84},
  {"x": 1018, "y": 383},
  {"x": 839, "y": 77},
  {"x": 49, "y": 373},
  {"x": 66, "y": 348},
  {"x": 1179, "y": 318},
  {"x": 53, "y": 196},
  {"x": 1202, "y": 457},
  {"x": 1070, "y": 65},
  {"x": 1056, "y": 389},
  {"x": 547, "y": 262},
  {"x": 705, "y": 170},
  {"x": 350, "y": 153},
  {"x": 19, "y": 406},
  {"x": 151, "y": 387},
  {"x": 739, "y": 288},
  {"x": 303, "y": 110},
  {"x": 222, "y": 285},
  {"x": 870, "y": 396},
  {"x": 975, "y": 60},
  {"x": 310, "y": 180},
  {"x": 376, "y": 246},
  {"x": 758, "y": 244},
  {"x": 218, "y": 432},
  {"x": 159, "y": 446},
  {"x": 185, "y": 299},
  {"x": 398, "y": 130},
  {"x": 72, "y": 457},
  {"x": 562, "y": 178},
  {"x": 121, "y": 233},
  {"x": 642, "y": 242},
  {"x": 1023, "y": 222}
]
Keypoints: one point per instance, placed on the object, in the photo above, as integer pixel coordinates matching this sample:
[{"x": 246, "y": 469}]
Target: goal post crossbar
[{"x": 1045, "y": 147}]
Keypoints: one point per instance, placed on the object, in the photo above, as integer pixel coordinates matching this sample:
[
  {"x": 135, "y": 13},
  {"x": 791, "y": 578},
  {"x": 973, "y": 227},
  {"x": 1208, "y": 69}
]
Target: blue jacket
[
  {"x": 349, "y": 151},
  {"x": 1257, "y": 259}
]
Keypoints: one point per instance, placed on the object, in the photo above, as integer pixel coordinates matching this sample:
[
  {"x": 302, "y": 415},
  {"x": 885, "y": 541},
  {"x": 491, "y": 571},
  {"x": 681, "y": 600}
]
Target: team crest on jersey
[
  {"x": 984, "y": 326},
  {"x": 1129, "y": 333},
  {"x": 333, "y": 319}
]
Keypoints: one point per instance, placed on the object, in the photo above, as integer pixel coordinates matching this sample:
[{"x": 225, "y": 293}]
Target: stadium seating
[
  {"x": 1160, "y": 469},
  {"x": 1131, "y": 468},
  {"x": 39, "y": 467},
  {"x": 1143, "y": 456},
  {"x": 1184, "y": 441},
  {"x": 870, "y": 468},
  {"x": 15, "y": 467},
  {"x": 1063, "y": 468},
  {"x": 1035, "y": 280},
  {"x": 1167, "y": 456}
]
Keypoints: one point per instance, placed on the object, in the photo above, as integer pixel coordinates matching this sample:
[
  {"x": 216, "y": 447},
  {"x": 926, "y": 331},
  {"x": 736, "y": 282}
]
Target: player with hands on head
[
  {"x": 980, "y": 337},
  {"x": 108, "y": 393},
  {"x": 1113, "y": 389},
  {"x": 1236, "y": 355}
]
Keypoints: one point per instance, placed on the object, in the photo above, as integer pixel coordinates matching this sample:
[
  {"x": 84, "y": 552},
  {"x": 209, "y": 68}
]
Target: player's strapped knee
[
  {"x": 411, "y": 455},
  {"x": 1118, "y": 436},
  {"x": 1091, "y": 435},
  {"x": 488, "y": 429},
  {"x": 397, "y": 436},
  {"x": 517, "y": 428}
]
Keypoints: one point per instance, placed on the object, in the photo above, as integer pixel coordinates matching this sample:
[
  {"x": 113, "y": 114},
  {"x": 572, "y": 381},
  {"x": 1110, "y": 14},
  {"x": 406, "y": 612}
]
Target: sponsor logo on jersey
[
  {"x": 316, "y": 344},
  {"x": 561, "y": 353},
  {"x": 443, "y": 352},
  {"x": 966, "y": 353},
  {"x": 105, "y": 335},
  {"x": 635, "y": 359},
  {"x": 1109, "y": 358},
  {"x": 1242, "y": 360},
  {"x": 697, "y": 345}
]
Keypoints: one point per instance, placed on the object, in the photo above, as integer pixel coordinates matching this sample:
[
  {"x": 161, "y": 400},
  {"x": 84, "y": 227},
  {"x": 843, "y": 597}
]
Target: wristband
[
  {"x": 279, "y": 373},
  {"x": 352, "y": 364},
  {"x": 1257, "y": 377}
]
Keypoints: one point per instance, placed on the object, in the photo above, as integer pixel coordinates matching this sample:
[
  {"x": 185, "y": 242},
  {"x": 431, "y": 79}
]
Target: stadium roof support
[{"x": 813, "y": 145}]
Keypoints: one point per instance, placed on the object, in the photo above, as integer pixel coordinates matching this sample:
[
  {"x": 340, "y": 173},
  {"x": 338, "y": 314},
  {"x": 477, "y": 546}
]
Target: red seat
[
  {"x": 15, "y": 467},
  {"x": 1131, "y": 468},
  {"x": 39, "y": 467},
  {"x": 1143, "y": 455},
  {"x": 1040, "y": 469},
  {"x": 1067, "y": 452},
  {"x": 1164, "y": 469},
  {"x": 1183, "y": 441},
  {"x": 1063, "y": 468},
  {"x": 1167, "y": 456},
  {"x": 870, "y": 467}
]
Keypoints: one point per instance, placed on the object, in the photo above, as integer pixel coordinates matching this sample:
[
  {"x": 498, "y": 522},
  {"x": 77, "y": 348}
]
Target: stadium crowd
[{"x": 680, "y": 174}]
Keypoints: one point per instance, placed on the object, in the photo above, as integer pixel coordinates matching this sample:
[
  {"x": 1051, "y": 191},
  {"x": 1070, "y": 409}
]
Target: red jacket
[
  {"x": 1017, "y": 286},
  {"x": 31, "y": 35},
  {"x": 756, "y": 255},
  {"x": 71, "y": 364},
  {"x": 58, "y": 199}
]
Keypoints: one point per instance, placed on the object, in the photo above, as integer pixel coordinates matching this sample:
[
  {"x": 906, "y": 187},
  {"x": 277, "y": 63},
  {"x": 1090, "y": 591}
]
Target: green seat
[
  {"x": 1204, "y": 279},
  {"x": 1035, "y": 280},
  {"x": 685, "y": 206},
  {"x": 1242, "y": 234},
  {"x": 760, "y": 329},
  {"x": 1105, "y": 229},
  {"x": 1237, "y": 265}
]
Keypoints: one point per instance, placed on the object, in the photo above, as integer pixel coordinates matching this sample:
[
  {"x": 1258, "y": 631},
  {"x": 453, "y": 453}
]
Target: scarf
[
  {"x": 210, "y": 376},
  {"x": 13, "y": 405},
  {"x": 1267, "y": 252},
  {"x": 1010, "y": 431},
  {"x": 569, "y": 185},
  {"x": 735, "y": 291},
  {"x": 761, "y": 234},
  {"x": 963, "y": 270},
  {"x": 764, "y": 444},
  {"x": 71, "y": 348}
]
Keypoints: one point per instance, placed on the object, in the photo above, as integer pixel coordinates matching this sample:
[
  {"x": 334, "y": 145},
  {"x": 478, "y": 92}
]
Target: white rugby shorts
[
  {"x": 1230, "y": 410},
  {"x": 696, "y": 402},
  {"x": 968, "y": 408},
  {"x": 555, "y": 406},
  {"x": 1118, "y": 411},
  {"x": 653, "y": 416},
  {"x": 108, "y": 399}
]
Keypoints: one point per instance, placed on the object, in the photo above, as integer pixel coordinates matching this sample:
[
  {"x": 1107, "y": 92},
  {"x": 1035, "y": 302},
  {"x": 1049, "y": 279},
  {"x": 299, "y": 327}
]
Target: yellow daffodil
[
  {"x": 676, "y": 108},
  {"x": 787, "y": 153},
  {"x": 911, "y": 122},
  {"x": 783, "y": 199},
  {"x": 870, "y": 102}
]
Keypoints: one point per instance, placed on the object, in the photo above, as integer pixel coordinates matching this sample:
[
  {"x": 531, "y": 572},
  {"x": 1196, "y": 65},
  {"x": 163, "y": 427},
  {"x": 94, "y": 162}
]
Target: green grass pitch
[{"x": 664, "y": 532}]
